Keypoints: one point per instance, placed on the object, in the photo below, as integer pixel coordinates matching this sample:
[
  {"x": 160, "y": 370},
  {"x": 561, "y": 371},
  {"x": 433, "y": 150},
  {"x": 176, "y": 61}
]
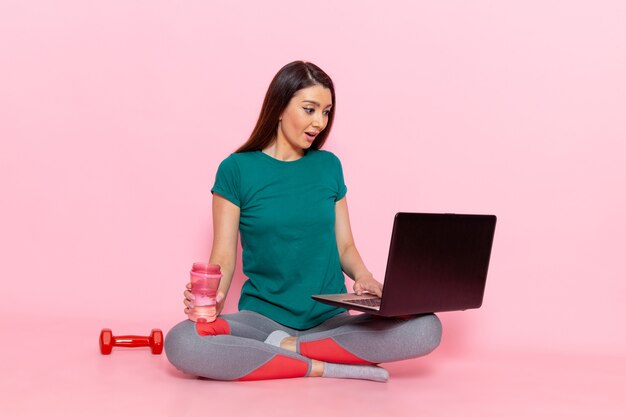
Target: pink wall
[{"x": 114, "y": 116}]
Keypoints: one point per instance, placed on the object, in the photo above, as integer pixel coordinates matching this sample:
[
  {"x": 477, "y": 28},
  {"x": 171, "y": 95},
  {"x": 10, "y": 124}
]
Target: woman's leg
[
  {"x": 232, "y": 348},
  {"x": 367, "y": 339}
]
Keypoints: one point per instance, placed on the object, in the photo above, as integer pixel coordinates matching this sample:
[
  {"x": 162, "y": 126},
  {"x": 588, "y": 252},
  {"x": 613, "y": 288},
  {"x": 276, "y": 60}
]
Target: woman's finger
[
  {"x": 373, "y": 286},
  {"x": 377, "y": 288}
]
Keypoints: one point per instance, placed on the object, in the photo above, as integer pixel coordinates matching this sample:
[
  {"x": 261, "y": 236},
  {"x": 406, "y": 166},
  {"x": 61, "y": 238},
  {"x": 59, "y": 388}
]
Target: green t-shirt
[{"x": 287, "y": 227}]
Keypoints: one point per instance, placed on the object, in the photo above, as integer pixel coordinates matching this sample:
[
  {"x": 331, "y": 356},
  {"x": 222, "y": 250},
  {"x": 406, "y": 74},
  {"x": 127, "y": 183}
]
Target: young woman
[{"x": 286, "y": 198}]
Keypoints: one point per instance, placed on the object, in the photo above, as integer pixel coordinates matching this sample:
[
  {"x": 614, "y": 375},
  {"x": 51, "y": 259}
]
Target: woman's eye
[
  {"x": 326, "y": 112},
  {"x": 308, "y": 110}
]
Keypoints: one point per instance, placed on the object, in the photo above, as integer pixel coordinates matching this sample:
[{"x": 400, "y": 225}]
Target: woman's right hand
[
  {"x": 188, "y": 301},
  {"x": 220, "y": 298}
]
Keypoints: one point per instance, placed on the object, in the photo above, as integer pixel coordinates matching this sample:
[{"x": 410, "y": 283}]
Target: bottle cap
[{"x": 205, "y": 268}]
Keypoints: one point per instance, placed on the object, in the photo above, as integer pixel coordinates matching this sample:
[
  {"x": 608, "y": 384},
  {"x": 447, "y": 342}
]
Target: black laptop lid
[{"x": 438, "y": 261}]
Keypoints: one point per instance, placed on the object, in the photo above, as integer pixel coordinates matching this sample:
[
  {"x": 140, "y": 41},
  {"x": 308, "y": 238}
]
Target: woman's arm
[
  {"x": 225, "y": 237},
  {"x": 349, "y": 256},
  {"x": 224, "y": 250}
]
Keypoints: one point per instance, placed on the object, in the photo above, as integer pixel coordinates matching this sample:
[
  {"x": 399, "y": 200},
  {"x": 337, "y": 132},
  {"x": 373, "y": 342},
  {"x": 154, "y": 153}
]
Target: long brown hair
[{"x": 291, "y": 78}]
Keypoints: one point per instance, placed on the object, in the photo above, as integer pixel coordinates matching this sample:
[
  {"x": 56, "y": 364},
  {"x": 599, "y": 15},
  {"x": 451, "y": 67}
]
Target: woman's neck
[{"x": 283, "y": 152}]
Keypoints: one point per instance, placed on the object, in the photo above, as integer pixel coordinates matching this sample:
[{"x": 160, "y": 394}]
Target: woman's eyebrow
[{"x": 315, "y": 102}]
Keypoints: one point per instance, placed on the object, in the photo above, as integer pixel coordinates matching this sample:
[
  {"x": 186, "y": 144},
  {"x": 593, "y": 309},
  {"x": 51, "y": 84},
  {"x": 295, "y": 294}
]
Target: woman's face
[{"x": 305, "y": 117}]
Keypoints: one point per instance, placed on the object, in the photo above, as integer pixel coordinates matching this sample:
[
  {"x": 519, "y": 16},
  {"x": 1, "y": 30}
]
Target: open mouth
[{"x": 311, "y": 135}]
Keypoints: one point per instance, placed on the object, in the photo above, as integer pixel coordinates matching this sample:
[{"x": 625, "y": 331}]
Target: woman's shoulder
[
  {"x": 239, "y": 158},
  {"x": 324, "y": 155},
  {"x": 326, "y": 159}
]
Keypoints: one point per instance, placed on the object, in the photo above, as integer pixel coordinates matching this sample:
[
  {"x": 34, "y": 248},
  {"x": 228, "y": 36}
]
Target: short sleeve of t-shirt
[
  {"x": 228, "y": 181},
  {"x": 341, "y": 185}
]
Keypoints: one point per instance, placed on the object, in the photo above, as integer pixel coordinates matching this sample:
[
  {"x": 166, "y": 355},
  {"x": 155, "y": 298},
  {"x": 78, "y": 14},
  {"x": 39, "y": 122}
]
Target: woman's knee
[
  {"x": 194, "y": 353},
  {"x": 419, "y": 335},
  {"x": 430, "y": 330},
  {"x": 179, "y": 344}
]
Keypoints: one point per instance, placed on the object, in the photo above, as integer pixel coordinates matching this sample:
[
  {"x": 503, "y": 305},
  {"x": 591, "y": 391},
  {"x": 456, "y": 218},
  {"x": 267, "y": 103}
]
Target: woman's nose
[{"x": 318, "y": 120}]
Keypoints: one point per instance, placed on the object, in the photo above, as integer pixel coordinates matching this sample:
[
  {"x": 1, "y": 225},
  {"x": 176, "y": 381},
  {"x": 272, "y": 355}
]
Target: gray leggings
[{"x": 236, "y": 350}]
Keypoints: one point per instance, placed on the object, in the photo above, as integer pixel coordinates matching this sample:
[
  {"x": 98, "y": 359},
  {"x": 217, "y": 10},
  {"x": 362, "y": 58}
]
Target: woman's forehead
[{"x": 316, "y": 94}]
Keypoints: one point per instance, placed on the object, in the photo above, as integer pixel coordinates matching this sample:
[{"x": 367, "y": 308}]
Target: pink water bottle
[{"x": 205, "y": 280}]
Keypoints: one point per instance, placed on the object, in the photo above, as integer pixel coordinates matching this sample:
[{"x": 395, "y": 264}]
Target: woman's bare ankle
[
  {"x": 317, "y": 368},
  {"x": 289, "y": 343}
]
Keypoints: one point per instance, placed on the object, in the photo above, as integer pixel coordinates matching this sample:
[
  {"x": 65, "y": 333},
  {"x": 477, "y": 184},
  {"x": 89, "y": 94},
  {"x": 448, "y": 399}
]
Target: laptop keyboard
[{"x": 368, "y": 302}]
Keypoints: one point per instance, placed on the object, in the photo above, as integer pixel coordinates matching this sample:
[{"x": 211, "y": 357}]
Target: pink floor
[{"x": 54, "y": 368}]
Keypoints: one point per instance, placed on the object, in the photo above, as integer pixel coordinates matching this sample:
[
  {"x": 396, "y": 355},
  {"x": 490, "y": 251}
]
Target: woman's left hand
[{"x": 367, "y": 283}]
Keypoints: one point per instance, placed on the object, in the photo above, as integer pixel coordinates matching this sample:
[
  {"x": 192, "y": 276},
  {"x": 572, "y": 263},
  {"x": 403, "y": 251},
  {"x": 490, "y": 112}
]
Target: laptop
[{"x": 436, "y": 262}]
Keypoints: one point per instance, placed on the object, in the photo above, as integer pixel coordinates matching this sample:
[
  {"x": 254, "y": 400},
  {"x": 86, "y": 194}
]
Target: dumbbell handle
[{"x": 131, "y": 341}]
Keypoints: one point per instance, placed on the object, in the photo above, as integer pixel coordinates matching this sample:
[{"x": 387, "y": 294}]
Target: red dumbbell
[{"x": 154, "y": 341}]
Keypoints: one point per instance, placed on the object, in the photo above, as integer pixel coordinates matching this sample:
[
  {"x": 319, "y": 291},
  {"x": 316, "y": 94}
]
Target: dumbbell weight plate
[
  {"x": 106, "y": 341},
  {"x": 156, "y": 339}
]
